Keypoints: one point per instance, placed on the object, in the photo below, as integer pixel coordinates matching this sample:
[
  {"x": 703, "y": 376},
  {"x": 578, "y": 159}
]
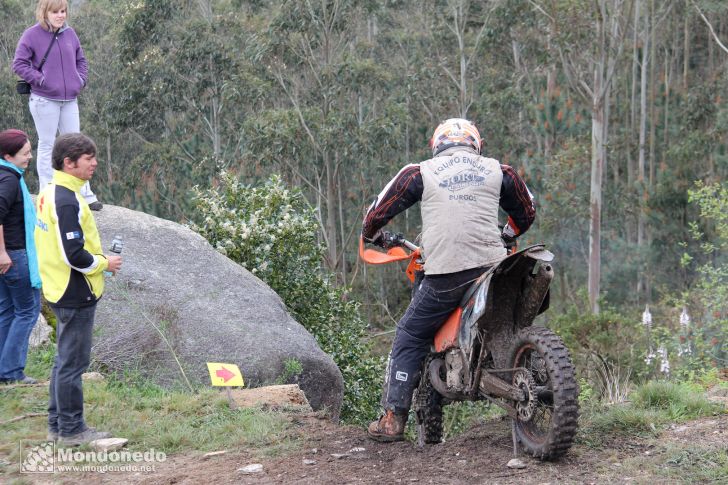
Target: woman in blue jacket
[
  {"x": 54, "y": 87},
  {"x": 19, "y": 275}
]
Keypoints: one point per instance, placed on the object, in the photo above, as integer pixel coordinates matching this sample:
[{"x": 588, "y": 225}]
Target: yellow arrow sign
[{"x": 225, "y": 374}]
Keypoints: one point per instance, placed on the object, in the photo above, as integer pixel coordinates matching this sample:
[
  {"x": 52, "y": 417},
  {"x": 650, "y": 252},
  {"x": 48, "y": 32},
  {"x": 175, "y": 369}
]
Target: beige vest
[{"x": 460, "y": 211}]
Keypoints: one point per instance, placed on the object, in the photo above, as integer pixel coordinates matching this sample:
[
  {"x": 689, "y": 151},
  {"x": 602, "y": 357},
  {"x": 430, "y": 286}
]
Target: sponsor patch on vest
[
  {"x": 462, "y": 180},
  {"x": 73, "y": 235},
  {"x": 401, "y": 376}
]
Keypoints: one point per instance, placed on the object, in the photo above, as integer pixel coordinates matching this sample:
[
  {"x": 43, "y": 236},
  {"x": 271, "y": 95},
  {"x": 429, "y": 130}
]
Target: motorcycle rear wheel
[
  {"x": 552, "y": 416},
  {"x": 428, "y": 405}
]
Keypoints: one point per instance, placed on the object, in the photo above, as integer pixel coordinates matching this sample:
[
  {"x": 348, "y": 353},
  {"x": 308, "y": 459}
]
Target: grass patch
[
  {"x": 680, "y": 464},
  {"x": 680, "y": 401},
  {"x": 40, "y": 362},
  {"x": 149, "y": 416},
  {"x": 695, "y": 465},
  {"x": 652, "y": 406}
]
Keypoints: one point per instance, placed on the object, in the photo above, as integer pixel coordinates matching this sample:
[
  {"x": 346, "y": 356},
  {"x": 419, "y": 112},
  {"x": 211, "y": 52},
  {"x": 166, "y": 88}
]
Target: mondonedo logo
[{"x": 48, "y": 458}]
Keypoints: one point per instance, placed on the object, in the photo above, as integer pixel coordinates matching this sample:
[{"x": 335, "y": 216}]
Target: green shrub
[
  {"x": 270, "y": 231},
  {"x": 680, "y": 400},
  {"x": 625, "y": 420}
]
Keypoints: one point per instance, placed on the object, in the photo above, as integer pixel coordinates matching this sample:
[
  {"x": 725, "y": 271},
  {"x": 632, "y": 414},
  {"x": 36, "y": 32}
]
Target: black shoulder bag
[{"x": 23, "y": 86}]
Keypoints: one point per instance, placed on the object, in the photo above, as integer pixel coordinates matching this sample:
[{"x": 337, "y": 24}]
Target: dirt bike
[{"x": 489, "y": 349}]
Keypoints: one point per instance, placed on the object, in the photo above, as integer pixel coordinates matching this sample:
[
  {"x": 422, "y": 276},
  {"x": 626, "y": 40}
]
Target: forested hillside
[{"x": 614, "y": 111}]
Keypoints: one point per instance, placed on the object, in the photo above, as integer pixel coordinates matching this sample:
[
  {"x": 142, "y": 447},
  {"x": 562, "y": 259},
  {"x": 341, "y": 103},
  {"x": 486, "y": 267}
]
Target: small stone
[
  {"x": 253, "y": 468},
  {"x": 358, "y": 449},
  {"x": 339, "y": 456},
  {"x": 314, "y": 450},
  {"x": 516, "y": 463},
  {"x": 309, "y": 462},
  {"x": 92, "y": 376},
  {"x": 213, "y": 453},
  {"x": 109, "y": 444}
]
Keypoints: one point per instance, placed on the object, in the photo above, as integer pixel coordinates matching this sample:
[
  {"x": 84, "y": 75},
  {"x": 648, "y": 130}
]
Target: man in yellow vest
[{"x": 72, "y": 266}]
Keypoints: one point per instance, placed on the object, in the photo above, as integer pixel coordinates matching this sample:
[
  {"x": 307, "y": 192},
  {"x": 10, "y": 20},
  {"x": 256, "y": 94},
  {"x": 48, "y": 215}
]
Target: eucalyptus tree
[
  {"x": 330, "y": 111},
  {"x": 183, "y": 89},
  {"x": 589, "y": 63}
]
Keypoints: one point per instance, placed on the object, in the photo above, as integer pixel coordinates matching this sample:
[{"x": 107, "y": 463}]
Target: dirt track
[{"x": 478, "y": 456}]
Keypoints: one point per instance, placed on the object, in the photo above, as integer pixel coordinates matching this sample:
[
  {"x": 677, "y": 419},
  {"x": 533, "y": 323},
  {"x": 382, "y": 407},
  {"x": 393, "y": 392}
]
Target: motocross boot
[{"x": 388, "y": 428}]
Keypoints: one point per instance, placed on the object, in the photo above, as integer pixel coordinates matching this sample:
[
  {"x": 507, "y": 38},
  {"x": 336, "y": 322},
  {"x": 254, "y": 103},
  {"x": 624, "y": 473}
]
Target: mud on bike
[{"x": 489, "y": 349}]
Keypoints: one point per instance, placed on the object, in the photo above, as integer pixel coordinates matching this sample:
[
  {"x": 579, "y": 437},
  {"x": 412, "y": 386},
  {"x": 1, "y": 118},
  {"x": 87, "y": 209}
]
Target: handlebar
[{"x": 392, "y": 240}]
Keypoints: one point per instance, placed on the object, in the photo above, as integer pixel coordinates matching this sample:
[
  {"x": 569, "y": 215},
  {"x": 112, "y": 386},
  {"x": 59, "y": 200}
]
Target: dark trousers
[
  {"x": 434, "y": 299},
  {"x": 73, "y": 338}
]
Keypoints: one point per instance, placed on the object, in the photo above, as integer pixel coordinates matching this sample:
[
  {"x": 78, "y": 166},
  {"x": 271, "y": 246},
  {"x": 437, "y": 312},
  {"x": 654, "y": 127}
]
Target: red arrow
[{"x": 225, "y": 374}]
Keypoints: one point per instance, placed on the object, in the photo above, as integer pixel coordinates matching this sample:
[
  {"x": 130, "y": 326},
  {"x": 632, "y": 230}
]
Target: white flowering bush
[{"x": 270, "y": 231}]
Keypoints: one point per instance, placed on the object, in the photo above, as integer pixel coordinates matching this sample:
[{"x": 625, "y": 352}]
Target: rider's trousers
[{"x": 434, "y": 299}]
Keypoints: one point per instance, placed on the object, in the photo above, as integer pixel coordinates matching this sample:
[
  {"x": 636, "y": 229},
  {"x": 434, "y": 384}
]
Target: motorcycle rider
[{"x": 459, "y": 191}]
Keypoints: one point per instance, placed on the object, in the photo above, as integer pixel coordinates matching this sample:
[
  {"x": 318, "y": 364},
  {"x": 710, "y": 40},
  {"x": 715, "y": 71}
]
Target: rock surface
[
  {"x": 177, "y": 296},
  {"x": 109, "y": 444},
  {"x": 271, "y": 396},
  {"x": 41, "y": 333}
]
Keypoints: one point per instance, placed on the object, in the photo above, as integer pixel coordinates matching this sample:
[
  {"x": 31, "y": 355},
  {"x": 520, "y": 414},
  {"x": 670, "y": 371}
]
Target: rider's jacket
[
  {"x": 70, "y": 256},
  {"x": 460, "y": 192}
]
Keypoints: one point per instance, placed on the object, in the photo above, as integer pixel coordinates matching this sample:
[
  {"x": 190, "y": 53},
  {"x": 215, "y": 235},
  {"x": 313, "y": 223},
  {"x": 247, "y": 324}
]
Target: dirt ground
[{"x": 342, "y": 455}]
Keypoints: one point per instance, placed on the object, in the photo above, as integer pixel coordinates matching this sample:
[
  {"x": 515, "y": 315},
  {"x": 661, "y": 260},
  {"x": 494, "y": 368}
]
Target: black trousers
[{"x": 434, "y": 299}]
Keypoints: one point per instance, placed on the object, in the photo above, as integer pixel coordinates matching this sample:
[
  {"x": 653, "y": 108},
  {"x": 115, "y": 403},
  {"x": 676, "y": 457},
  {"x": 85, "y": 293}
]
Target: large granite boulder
[{"x": 178, "y": 298}]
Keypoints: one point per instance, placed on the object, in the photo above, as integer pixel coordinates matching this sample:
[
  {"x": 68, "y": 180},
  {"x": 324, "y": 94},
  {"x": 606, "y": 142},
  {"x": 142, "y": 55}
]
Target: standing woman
[
  {"x": 19, "y": 275},
  {"x": 56, "y": 85}
]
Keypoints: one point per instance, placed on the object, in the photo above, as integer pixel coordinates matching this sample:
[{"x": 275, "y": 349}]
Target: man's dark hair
[{"x": 73, "y": 146}]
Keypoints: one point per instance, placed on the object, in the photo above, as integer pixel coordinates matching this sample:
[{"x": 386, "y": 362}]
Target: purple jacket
[{"x": 65, "y": 71}]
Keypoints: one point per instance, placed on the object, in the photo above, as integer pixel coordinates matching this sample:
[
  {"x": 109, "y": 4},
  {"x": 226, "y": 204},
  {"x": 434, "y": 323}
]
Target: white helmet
[{"x": 455, "y": 132}]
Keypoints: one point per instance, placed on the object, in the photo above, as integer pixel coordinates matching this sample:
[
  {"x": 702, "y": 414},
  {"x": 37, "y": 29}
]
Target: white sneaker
[{"x": 87, "y": 436}]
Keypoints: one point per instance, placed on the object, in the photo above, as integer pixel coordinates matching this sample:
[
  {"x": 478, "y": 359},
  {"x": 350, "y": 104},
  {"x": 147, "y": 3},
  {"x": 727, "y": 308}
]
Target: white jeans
[{"x": 53, "y": 117}]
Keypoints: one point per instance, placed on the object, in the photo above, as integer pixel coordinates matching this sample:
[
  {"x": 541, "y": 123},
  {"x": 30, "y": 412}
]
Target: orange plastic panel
[
  {"x": 447, "y": 336},
  {"x": 372, "y": 256},
  {"x": 413, "y": 266}
]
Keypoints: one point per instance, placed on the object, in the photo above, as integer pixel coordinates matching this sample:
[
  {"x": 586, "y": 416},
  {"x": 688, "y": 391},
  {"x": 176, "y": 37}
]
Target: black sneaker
[{"x": 95, "y": 206}]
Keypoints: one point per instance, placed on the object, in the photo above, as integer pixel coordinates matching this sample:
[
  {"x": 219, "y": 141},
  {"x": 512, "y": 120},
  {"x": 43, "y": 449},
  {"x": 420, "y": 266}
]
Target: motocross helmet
[{"x": 455, "y": 132}]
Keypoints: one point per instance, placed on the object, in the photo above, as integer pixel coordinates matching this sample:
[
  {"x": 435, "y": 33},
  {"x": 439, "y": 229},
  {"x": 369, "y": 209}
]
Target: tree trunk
[
  {"x": 331, "y": 229},
  {"x": 633, "y": 104},
  {"x": 642, "y": 149},
  {"x": 653, "y": 87},
  {"x": 686, "y": 46},
  {"x": 595, "y": 199}
]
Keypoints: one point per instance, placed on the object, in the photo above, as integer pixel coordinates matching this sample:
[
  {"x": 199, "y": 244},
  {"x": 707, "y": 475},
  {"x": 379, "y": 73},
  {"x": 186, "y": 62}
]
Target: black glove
[
  {"x": 508, "y": 241},
  {"x": 386, "y": 239}
]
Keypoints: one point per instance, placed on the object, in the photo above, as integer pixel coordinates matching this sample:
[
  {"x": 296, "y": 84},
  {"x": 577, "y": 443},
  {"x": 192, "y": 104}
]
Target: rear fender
[{"x": 507, "y": 298}]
